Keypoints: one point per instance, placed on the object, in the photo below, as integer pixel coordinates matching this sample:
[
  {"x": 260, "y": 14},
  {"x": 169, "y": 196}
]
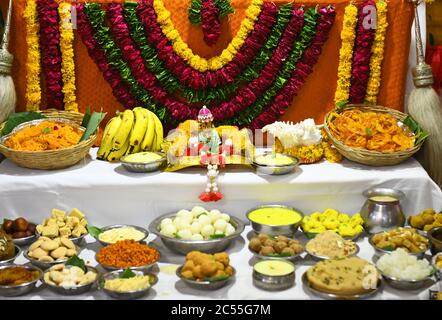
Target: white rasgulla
[
  {"x": 220, "y": 225},
  {"x": 207, "y": 230},
  {"x": 219, "y": 232},
  {"x": 169, "y": 230},
  {"x": 165, "y": 222},
  {"x": 204, "y": 220},
  {"x": 196, "y": 237},
  {"x": 225, "y": 217},
  {"x": 185, "y": 234},
  {"x": 214, "y": 216},
  {"x": 197, "y": 210},
  {"x": 181, "y": 224},
  {"x": 229, "y": 229},
  {"x": 183, "y": 213},
  {"x": 195, "y": 227}
]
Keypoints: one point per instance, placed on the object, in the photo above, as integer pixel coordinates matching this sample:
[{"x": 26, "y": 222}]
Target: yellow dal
[{"x": 275, "y": 216}]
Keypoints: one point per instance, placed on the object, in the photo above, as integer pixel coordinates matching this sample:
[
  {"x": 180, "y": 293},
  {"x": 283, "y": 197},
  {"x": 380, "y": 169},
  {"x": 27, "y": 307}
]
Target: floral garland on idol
[
  {"x": 208, "y": 13},
  {"x": 33, "y": 68},
  {"x": 361, "y": 54}
]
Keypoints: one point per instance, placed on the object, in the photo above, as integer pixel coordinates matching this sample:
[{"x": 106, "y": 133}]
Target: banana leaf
[{"x": 93, "y": 124}]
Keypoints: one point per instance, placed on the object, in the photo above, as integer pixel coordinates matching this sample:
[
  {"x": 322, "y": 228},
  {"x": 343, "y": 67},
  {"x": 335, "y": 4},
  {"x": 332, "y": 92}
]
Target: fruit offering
[
  {"x": 68, "y": 277},
  {"x": 18, "y": 228},
  {"x": 7, "y": 247},
  {"x": 330, "y": 219},
  {"x": 127, "y": 254},
  {"x": 50, "y": 250},
  {"x": 406, "y": 238},
  {"x": 426, "y": 220},
  {"x": 130, "y": 132},
  {"x": 197, "y": 224},
  {"x": 206, "y": 267},
  {"x": 331, "y": 245},
  {"x": 59, "y": 224},
  {"x": 15, "y": 276},
  {"x": 279, "y": 246}
]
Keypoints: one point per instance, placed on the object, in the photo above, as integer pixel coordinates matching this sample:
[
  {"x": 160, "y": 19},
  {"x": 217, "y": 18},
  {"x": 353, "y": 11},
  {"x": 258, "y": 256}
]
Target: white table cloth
[{"x": 108, "y": 194}]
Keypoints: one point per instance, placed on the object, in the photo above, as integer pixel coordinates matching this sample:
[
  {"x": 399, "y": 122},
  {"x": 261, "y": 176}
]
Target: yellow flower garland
[
  {"x": 377, "y": 50},
  {"x": 195, "y": 61},
  {"x": 33, "y": 67},
  {"x": 348, "y": 35},
  {"x": 67, "y": 54}
]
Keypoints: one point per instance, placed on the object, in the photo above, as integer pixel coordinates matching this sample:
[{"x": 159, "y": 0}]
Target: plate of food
[
  {"x": 425, "y": 220},
  {"x": 21, "y": 230},
  {"x": 268, "y": 247},
  {"x": 274, "y": 163},
  {"x": 118, "y": 232},
  {"x": 17, "y": 280},
  {"x": 330, "y": 245},
  {"x": 128, "y": 283},
  {"x": 144, "y": 161},
  {"x": 8, "y": 250},
  {"x": 343, "y": 279}
]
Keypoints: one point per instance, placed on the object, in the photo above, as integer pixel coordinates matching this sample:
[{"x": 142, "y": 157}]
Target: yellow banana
[
  {"x": 158, "y": 133},
  {"x": 108, "y": 135},
  {"x": 139, "y": 130},
  {"x": 124, "y": 131},
  {"x": 115, "y": 155},
  {"x": 147, "y": 143}
]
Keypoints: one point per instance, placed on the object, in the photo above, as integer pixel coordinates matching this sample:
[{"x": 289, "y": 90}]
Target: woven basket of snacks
[
  {"x": 373, "y": 135},
  {"x": 58, "y": 149}
]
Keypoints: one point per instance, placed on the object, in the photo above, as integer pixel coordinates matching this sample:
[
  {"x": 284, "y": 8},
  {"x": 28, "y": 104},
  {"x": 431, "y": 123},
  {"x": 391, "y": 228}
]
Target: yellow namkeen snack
[
  {"x": 47, "y": 135},
  {"x": 371, "y": 130}
]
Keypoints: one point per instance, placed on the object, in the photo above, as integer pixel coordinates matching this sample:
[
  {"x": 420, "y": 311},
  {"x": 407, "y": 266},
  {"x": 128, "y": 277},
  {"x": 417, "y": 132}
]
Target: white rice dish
[{"x": 401, "y": 265}]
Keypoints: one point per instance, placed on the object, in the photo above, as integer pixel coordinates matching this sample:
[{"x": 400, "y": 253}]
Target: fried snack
[
  {"x": 426, "y": 220},
  {"x": 202, "y": 266},
  {"x": 275, "y": 246},
  {"x": 371, "y": 130},
  {"x": 406, "y": 238}
]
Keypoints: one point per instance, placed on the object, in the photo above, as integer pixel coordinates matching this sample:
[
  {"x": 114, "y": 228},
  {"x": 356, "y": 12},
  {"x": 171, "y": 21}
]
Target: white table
[{"x": 108, "y": 194}]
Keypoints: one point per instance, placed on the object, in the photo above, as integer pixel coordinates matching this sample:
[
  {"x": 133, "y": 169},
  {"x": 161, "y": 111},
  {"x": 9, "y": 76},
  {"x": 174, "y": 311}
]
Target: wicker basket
[
  {"x": 369, "y": 157},
  {"x": 52, "y": 159}
]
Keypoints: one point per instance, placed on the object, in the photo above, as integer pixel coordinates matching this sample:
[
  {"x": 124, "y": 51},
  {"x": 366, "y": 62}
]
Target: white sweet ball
[
  {"x": 225, "y": 217},
  {"x": 196, "y": 237},
  {"x": 207, "y": 230},
  {"x": 182, "y": 224},
  {"x": 215, "y": 211},
  {"x": 169, "y": 230},
  {"x": 165, "y": 222},
  {"x": 220, "y": 225},
  {"x": 229, "y": 229},
  {"x": 198, "y": 210},
  {"x": 195, "y": 227},
  {"x": 185, "y": 234},
  {"x": 204, "y": 220},
  {"x": 182, "y": 213},
  {"x": 213, "y": 215}
]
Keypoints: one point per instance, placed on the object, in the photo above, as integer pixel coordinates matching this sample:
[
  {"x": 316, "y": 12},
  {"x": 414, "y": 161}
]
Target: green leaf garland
[{"x": 194, "y": 12}]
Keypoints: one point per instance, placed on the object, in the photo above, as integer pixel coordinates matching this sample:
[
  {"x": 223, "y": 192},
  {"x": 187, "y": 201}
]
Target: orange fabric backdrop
[{"x": 314, "y": 99}]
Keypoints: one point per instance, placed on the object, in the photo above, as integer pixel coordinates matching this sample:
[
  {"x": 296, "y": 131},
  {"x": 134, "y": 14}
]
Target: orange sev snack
[
  {"x": 126, "y": 254},
  {"x": 371, "y": 130},
  {"x": 47, "y": 135}
]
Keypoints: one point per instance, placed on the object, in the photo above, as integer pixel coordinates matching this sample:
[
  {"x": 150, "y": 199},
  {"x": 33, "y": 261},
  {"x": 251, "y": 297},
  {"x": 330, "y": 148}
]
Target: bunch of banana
[{"x": 131, "y": 131}]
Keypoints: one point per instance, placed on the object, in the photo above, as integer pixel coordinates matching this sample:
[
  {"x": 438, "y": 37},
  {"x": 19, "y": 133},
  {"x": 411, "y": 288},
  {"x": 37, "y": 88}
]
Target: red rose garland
[
  {"x": 210, "y": 22},
  {"x": 360, "y": 72},
  {"x": 299, "y": 75},
  {"x": 50, "y": 49}
]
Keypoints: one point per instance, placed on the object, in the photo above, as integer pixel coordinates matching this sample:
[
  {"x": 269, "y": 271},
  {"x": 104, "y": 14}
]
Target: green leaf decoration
[
  {"x": 341, "y": 104},
  {"x": 388, "y": 248},
  {"x": 127, "y": 273},
  {"x": 368, "y": 132},
  {"x": 217, "y": 236},
  {"x": 77, "y": 262},
  {"x": 93, "y": 125},
  {"x": 87, "y": 117},
  {"x": 218, "y": 278},
  {"x": 46, "y": 130},
  {"x": 18, "y": 118},
  {"x": 94, "y": 231},
  {"x": 415, "y": 127}
]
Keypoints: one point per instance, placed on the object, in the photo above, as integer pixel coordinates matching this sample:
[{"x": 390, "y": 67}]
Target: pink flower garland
[
  {"x": 119, "y": 89},
  {"x": 210, "y": 22},
  {"x": 303, "y": 69},
  {"x": 50, "y": 52},
  {"x": 360, "y": 72},
  {"x": 245, "y": 97},
  {"x": 202, "y": 80}
]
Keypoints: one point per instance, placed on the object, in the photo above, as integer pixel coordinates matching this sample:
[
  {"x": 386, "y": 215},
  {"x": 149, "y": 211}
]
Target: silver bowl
[
  {"x": 401, "y": 284},
  {"x": 153, "y": 279},
  {"x": 11, "y": 260},
  {"x": 25, "y": 240},
  {"x": 118, "y": 226},
  {"x": 144, "y": 167},
  {"x": 78, "y": 241},
  {"x": 318, "y": 257},
  {"x": 274, "y": 283},
  {"x": 112, "y": 268},
  {"x": 433, "y": 262},
  {"x": 275, "y": 169},
  {"x": 275, "y": 230},
  {"x": 186, "y": 246},
  {"x": 436, "y": 243},
  {"x": 21, "y": 289},
  {"x": 380, "y": 252},
  {"x": 205, "y": 285},
  {"x": 46, "y": 265},
  {"x": 337, "y": 296},
  {"x": 73, "y": 291},
  {"x": 288, "y": 258}
]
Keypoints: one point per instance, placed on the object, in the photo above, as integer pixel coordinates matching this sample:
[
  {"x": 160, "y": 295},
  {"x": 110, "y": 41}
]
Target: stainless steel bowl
[
  {"x": 275, "y": 230},
  {"x": 46, "y": 265},
  {"x": 205, "y": 285},
  {"x": 433, "y": 262},
  {"x": 401, "y": 284},
  {"x": 73, "y": 291},
  {"x": 336, "y": 296},
  {"x": 118, "y": 226},
  {"x": 78, "y": 241},
  {"x": 23, "y": 241},
  {"x": 318, "y": 257},
  {"x": 380, "y": 252},
  {"x": 144, "y": 167},
  {"x": 11, "y": 260},
  {"x": 153, "y": 279},
  {"x": 112, "y": 268},
  {"x": 435, "y": 236},
  {"x": 274, "y": 283},
  {"x": 21, "y": 289},
  {"x": 275, "y": 169},
  {"x": 262, "y": 257},
  {"x": 207, "y": 246}
]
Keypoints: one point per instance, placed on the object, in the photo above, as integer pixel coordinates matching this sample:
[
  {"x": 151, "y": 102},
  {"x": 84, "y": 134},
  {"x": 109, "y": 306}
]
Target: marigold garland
[
  {"x": 348, "y": 35},
  {"x": 67, "y": 54},
  {"x": 33, "y": 68},
  {"x": 377, "y": 51},
  {"x": 197, "y": 62}
]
